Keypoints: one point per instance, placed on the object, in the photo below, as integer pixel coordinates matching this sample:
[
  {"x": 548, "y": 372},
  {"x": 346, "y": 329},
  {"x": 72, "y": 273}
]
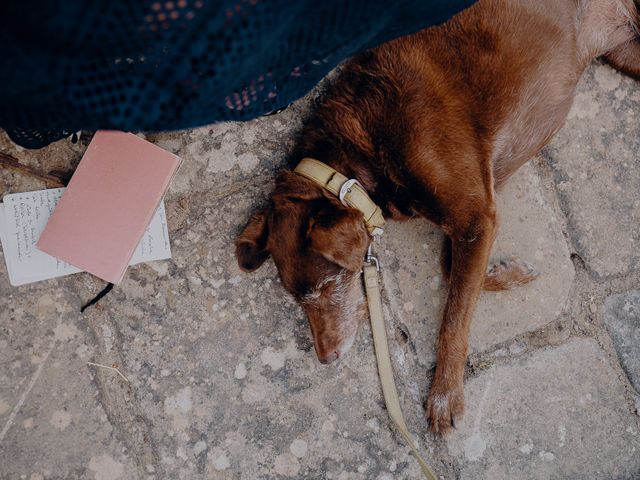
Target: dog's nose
[{"x": 330, "y": 357}]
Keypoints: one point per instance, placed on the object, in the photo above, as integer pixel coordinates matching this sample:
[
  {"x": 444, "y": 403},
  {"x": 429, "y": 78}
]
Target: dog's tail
[{"x": 626, "y": 57}]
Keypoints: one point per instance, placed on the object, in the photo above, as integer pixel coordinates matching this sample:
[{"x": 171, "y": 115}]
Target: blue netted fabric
[{"x": 140, "y": 65}]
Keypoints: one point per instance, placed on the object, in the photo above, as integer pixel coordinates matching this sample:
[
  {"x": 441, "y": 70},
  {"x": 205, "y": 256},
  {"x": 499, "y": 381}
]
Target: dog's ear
[
  {"x": 340, "y": 236},
  {"x": 251, "y": 244}
]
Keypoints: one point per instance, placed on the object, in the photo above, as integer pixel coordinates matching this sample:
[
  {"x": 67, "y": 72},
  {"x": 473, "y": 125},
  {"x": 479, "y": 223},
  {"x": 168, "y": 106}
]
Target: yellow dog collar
[{"x": 349, "y": 191}]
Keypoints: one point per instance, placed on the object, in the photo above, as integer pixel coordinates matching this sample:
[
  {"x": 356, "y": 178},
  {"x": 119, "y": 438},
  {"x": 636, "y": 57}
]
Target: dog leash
[{"x": 371, "y": 271}]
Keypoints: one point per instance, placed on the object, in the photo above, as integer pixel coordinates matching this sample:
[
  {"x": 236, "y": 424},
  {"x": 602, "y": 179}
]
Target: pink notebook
[{"x": 108, "y": 204}]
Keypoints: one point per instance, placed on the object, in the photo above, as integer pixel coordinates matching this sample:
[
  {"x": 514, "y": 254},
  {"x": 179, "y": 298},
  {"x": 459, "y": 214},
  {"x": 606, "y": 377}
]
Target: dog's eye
[
  {"x": 310, "y": 296},
  {"x": 302, "y": 289}
]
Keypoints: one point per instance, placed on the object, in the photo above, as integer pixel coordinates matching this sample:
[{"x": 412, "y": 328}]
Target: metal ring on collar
[{"x": 346, "y": 188}]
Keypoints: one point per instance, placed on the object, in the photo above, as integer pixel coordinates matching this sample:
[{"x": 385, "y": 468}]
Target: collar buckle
[{"x": 346, "y": 188}]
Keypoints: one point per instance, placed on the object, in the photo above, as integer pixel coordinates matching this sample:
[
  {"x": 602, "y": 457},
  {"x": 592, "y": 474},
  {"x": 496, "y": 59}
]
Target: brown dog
[{"x": 432, "y": 125}]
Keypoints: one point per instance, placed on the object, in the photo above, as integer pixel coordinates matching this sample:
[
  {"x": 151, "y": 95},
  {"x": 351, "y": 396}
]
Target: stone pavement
[{"x": 223, "y": 382}]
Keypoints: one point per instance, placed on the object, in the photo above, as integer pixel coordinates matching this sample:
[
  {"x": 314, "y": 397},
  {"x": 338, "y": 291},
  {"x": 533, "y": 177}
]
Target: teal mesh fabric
[{"x": 141, "y": 65}]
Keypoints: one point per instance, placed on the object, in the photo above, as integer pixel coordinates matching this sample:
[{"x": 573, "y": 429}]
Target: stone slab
[
  {"x": 558, "y": 414},
  {"x": 622, "y": 318},
  {"x": 595, "y": 163}
]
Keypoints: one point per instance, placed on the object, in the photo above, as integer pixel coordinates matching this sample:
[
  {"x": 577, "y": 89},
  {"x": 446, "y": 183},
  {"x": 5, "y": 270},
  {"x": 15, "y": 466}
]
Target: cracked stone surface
[
  {"x": 222, "y": 381},
  {"x": 622, "y": 318},
  {"x": 61, "y": 429}
]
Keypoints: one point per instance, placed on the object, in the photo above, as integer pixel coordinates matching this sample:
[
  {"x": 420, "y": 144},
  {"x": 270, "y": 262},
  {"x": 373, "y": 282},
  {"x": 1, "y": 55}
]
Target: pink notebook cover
[{"x": 108, "y": 204}]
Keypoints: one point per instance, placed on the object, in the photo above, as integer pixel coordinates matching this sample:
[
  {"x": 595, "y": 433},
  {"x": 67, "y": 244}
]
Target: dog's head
[{"x": 318, "y": 246}]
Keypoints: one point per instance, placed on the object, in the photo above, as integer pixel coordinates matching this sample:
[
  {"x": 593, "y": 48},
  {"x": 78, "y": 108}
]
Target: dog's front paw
[{"x": 444, "y": 408}]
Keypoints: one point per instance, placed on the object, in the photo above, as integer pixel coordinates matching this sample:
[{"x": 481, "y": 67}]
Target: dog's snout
[
  {"x": 334, "y": 329},
  {"x": 328, "y": 358},
  {"x": 326, "y": 349},
  {"x": 329, "y": 350}
]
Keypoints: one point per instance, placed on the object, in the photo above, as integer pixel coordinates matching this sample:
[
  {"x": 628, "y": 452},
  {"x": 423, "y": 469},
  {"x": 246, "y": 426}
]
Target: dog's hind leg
[
  {"x": 504, "y": 275},
  {"x": 471, "y": 246}
]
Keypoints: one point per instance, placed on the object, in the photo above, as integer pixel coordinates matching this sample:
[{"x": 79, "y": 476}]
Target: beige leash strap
[{"x": 372, "y": 287}]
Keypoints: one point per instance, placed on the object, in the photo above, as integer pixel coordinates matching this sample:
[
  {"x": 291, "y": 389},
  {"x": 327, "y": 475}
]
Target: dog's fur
[{"x": 432, "y": 125}]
